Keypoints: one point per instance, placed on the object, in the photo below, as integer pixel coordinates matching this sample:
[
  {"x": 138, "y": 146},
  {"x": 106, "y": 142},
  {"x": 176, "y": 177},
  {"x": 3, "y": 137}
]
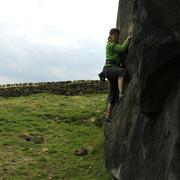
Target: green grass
[{"x": 64, "y": 123}]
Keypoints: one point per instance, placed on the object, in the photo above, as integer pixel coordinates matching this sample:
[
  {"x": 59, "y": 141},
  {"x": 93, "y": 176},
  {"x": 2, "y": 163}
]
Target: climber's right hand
[{"x": 128, "y": 38}]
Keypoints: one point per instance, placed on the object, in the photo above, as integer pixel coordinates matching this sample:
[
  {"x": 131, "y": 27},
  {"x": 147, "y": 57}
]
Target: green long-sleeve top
[{"x": 113, "y": 51}]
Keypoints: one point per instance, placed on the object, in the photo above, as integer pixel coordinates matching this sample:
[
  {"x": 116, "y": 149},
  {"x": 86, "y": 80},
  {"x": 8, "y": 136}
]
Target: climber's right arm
[{"x": 120, "y": 48}]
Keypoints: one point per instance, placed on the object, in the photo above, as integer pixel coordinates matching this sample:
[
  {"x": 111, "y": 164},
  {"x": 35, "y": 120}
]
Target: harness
[
  {"x": 102, "y": 74},
  {"x": 113, "y": 62}
]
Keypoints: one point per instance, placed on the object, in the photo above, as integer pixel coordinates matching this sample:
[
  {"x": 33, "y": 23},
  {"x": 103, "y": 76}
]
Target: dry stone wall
[{"x": 60, "y": 88}]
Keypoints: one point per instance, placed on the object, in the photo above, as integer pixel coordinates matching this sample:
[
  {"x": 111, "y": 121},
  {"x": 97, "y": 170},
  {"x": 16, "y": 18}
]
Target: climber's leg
[
  {"x": 116, "y": 73},
  {"x": 109, "y": 110},
  {"x": 113, "y": 88},
  {"x": 120, "y": 85}
]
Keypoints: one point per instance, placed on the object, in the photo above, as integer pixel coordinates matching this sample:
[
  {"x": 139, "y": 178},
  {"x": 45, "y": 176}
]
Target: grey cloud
[{"x": 35, "y": 62}]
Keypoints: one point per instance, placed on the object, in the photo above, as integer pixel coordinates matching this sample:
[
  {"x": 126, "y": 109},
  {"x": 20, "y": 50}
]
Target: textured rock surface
[{"x": 145, "y": 137}]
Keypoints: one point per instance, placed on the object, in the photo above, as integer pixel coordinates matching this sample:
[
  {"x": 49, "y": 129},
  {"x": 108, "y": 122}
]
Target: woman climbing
[{"x": 112, "y": 70}]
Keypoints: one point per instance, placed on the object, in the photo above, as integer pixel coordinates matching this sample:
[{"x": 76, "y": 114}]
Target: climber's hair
[{"x": 114, "y": 30}]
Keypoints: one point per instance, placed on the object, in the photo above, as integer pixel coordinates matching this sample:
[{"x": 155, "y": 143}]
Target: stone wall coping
[
  {"x": 60, "y": 88},
  {"x": 47, "y": 83}
]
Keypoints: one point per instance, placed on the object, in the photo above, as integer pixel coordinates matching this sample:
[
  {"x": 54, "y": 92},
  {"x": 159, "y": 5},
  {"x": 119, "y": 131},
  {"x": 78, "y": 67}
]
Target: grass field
[{"x": 40, "y": 133}]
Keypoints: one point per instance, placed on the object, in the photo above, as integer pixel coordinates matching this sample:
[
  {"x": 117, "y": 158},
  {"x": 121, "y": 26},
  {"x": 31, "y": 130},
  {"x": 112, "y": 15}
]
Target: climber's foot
[
  {"x": 108, "y": 119},
  {"x": 120, "y": 97}
]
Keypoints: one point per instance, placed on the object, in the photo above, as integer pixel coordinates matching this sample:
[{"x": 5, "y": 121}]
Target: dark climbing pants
[{"x": 112, "y": 74}]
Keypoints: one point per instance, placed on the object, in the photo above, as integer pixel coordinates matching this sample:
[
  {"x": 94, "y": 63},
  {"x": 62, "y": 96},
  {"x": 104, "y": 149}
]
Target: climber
[{"x": 112, "y": 70}]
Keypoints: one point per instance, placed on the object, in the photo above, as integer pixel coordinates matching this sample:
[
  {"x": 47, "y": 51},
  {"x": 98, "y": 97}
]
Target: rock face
[{"x": 144, "y": 142}]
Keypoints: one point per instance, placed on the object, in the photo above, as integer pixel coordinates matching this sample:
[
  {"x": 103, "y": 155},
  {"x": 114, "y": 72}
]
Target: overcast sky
[{"x": 54, "y": 40}]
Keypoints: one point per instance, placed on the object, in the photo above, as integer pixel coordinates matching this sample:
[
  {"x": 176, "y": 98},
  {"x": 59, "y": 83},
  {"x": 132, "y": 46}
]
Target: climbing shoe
[
  {"x": 108, "y": 120},
  {"x": 120, "y": 97}
]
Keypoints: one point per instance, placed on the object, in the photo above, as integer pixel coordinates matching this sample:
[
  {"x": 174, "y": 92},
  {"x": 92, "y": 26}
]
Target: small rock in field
[
  {"x": 40, "y": 137},
  {"x": 59, "y": 121},
  {"x": 30, "y": 138},
  {"x": 45, "y": 150},
  {"x": 92, "y": 119}
]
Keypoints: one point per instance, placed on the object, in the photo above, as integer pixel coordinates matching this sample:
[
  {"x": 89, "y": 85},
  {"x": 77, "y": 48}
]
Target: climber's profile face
[{"x": 114, "y": 37}]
